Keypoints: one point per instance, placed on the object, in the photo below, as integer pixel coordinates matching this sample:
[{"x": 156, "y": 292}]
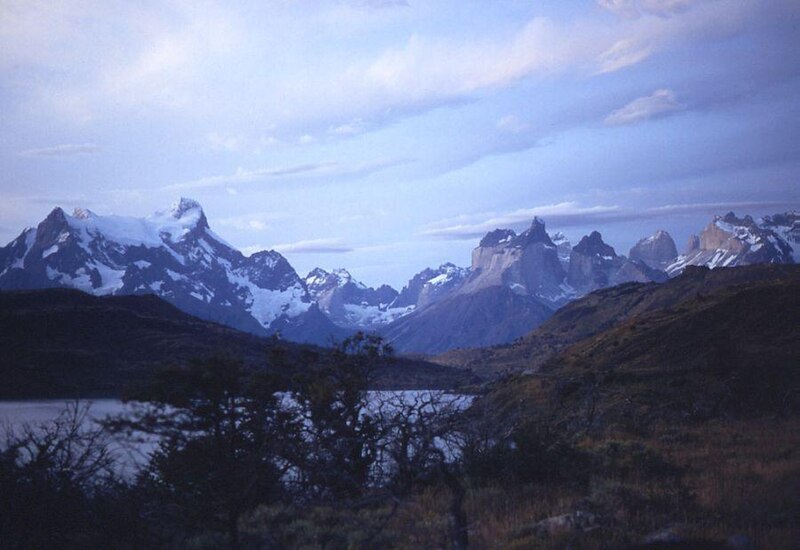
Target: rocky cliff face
[
  {"x": 656, "y": 251},
  {"x": 730, "y": 241},
  {"x": 173, "y": 254},
  {"x": 527, "y": 263}
]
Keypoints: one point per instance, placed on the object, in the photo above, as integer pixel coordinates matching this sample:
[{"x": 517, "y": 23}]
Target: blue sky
[{"x": 386, "y": 135}]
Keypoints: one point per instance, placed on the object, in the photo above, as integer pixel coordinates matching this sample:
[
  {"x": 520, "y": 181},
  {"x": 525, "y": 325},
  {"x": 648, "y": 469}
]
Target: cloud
[
  {"x": 355, "y": 126},
  {"x": 62, "y": 151},
  {"x": 513, "y": 124},
  {"x": 256, "y": 221},
  {"x": 659, "y": 103},
  {"x": 315, "y": 246},
  {"x": 621, "y": 54},
  {"x": 302, "y": 171},
  {"x": 571, "y": 214},
  {"x": 711, "y": 207},
  {"x": 380, "y": 4},
  {"x": 633, "y": 9},
  {"x": 218, "y": 142},
  {"x": 564, "y": 214}
]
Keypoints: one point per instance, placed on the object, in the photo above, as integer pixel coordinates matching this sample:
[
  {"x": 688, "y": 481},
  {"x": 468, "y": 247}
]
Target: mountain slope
[
  {"x": 485, "y": 317},
  {"x": 63, "y": 342}
]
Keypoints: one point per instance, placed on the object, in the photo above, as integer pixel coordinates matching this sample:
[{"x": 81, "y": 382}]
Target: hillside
[
  {"x": 63, "y": 342},
  {"x": 604, "y": 309},
  {"x": 684, "y": 410}
]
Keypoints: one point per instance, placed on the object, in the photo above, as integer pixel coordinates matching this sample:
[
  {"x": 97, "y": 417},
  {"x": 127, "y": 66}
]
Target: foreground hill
[
  {"x": 605, "y": 309},
  {"x": 707, "y": 343},
  {"x": 673, "y": 424},
  {"x": 63, "y": 342}
]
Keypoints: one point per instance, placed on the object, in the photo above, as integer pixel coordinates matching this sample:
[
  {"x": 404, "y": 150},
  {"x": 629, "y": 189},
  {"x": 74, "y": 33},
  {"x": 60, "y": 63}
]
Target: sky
[{"x": 386, "y": 136}]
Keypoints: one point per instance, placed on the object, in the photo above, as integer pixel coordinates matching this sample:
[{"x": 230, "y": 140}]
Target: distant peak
[
  {"x": 536, "y": 233},
  {"x": 82, "y": 213},
  {"x": 183, "y": 205},
  {"x": 56, "y": 215},
  {"x": 593, "y": 245},
  {"x": 317, "y": 272},
  {"x": 342, "y": 273}
]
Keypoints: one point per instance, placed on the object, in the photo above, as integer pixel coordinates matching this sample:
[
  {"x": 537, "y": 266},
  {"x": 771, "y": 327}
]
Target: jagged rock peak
[
  {"x": 536, "y": 233},
  {"x": 498, "y": 237},
  {"x": 593, "y": 245}
]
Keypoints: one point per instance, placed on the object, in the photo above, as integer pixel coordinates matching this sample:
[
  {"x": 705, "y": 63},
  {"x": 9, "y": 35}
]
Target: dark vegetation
[
  {"x": 673, "y": 424},
  {"x": 65, "y": 343}
]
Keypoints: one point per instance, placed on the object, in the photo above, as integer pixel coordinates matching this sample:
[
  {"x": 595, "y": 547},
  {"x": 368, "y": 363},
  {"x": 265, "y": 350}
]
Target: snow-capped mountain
[
  {"x": 786, "y": 226},
  {"x": 350, "y": 303},
  {"x": 729, "y": 241},
  {"x": 173, "y": 254}
]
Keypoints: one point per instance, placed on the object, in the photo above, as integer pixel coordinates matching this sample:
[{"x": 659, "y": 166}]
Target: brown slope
[
  {"x": 606, "y": 308},
  {"x": 730, "y": 350},
  {"x": 63, "y": 342}
]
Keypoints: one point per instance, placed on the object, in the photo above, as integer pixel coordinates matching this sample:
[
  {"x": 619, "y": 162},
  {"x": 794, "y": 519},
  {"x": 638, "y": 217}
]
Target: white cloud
[
  {"x": 656, "y": 104},
  {"x": 218, "y": 142},
  {"x": 302, "y": 171},
  {"x": 306, "y": 139},
  {"x": 231, "y": 68},
  {"x": 621, "y": 54},
  {"x": 513, "y": 124},
  {"x": 561, "y": 214},
  {"x": 633, "y": 9},
  {"x": 65, "y": 150},
  {"x": 315, "y": 246},
  {"x": 571, "y": 214}
]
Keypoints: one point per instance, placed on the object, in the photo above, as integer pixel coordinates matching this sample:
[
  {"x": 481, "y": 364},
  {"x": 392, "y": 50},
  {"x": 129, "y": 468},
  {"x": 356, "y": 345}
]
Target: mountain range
[{"x": 514, "y": 283}]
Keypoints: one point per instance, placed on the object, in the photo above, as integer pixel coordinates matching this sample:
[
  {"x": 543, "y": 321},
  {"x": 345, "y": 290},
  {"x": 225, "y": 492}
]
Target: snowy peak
[
  {"x": 172, "y": 253},
  {"x": 183, "y": 207},
  {"x": 730, "y": 241},
  {"x": 350, "y": 303},
  {"x": 787, "y": 226},
  {"x": 430, "y": 285}
]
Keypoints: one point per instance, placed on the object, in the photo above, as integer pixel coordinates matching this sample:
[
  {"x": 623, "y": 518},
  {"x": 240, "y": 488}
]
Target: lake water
[{"x": 16, "y": 414}]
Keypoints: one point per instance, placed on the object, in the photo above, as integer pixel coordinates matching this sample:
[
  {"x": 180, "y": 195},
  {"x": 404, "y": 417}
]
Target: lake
[{"x": 16, "y": 414}]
